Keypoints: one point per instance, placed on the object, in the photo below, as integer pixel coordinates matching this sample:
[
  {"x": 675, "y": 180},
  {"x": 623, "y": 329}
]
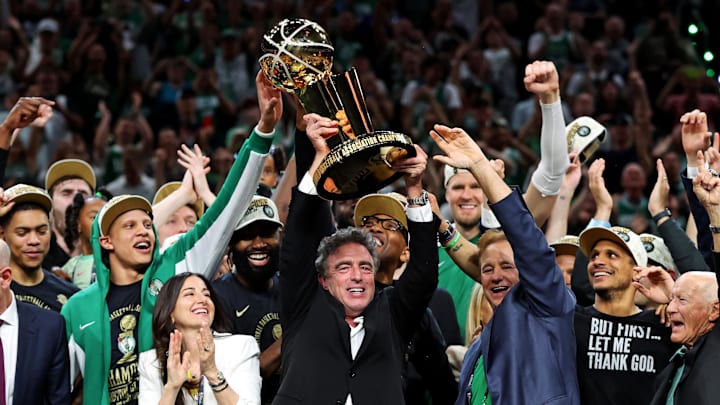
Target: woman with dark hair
[
  {"x": 195, "y": 361},
  {"x": 79, "y": 217}
]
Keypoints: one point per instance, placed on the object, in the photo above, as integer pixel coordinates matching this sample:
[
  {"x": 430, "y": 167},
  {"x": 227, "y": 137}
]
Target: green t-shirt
[
  {"x": 457, "y": 283},
  {"x": 478, "y": 387}
]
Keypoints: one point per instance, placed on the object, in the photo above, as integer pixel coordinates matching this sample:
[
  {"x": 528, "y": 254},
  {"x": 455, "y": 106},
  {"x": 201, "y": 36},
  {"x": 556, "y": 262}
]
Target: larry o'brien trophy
[{"x": 297, "y": 57}]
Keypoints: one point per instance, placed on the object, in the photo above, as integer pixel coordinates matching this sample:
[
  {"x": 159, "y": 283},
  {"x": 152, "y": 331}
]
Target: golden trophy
[{"x": 297, "y": 58}]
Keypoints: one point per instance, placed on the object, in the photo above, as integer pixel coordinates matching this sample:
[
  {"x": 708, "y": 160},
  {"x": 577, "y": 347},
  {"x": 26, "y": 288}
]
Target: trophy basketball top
[
  {"x": 298, "y": 58},
  {"x": 296, "y": 53}
]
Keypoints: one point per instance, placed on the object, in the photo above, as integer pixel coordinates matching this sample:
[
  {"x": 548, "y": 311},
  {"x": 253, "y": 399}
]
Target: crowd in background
[{"x": 135, "y": 79}]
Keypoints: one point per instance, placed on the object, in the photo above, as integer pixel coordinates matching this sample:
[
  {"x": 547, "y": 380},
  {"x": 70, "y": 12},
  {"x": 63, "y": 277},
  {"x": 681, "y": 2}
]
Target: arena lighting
[
  {"x": 710, "y": 73},
  {"x": 708, "y": 56},
  {"x": 692, "y": 29}
]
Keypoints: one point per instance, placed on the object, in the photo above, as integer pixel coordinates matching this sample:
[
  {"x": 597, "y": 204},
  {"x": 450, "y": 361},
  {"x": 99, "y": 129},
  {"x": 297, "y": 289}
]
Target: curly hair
[
  {"x": 72, "y": 214},
  {"x": 330, "y": 244}
]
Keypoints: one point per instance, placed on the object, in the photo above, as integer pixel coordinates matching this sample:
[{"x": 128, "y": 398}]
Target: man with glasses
[
  {"x": 383, "y": 217},
  {"x": 250, "y": 294}
]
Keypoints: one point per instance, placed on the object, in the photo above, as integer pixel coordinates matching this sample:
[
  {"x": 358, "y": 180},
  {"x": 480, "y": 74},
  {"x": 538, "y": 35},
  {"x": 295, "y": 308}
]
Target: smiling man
[
  {"x": 618, "y": 344},
  {"x": 343, "y": 342},
  {"x": 26, "y": 229},
  {"x": 110, "y": 323},
  {"x": 465, "y": 198},
  {"x": 251, "y": 294},
  {"x": 427, "y": 370}
]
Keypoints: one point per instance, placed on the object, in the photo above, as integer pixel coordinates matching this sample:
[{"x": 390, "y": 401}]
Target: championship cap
[
  {"x": 450, "y": 171},
  {"x": 168, "y": 188},
  {"x": 260, "y": 209},
  {"x": 21, "y": 193},
  {"x": 657, "y": 251},
  {"x": 567, "y": 245},
  {"x": 69, "y": 168},
  {"x": 118, "y": 206},
  {"x": 391, "y": 204},
  {"x": 584, "y": 136},
  {"x": 618, "y": 234}
]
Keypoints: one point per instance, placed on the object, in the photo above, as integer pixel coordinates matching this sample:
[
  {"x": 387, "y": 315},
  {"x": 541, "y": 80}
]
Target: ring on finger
[{"x": 206, "y": 348}]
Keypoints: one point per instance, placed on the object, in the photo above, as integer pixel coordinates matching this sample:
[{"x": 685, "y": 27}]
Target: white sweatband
[{"x": 554, "y": 159}]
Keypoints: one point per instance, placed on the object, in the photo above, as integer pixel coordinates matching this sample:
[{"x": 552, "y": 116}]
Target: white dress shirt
[{"x": 9, "y": 335}]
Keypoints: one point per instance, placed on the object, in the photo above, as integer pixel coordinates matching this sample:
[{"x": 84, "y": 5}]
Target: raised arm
[
  {"x": 309, "y": 220},
  {"x": 535, "y": 260},
  {"x": 558, "y": 221},
  {"x": 706, "y": 187},
  {"x": 683, "y": 251},
  {"x": 202, "y": 248},
  {"x": 541, "y": 78}
]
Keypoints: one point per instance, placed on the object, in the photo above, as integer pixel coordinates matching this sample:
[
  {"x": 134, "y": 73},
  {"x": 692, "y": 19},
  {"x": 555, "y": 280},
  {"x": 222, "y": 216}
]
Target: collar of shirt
[{"x": 10, "y": 315}]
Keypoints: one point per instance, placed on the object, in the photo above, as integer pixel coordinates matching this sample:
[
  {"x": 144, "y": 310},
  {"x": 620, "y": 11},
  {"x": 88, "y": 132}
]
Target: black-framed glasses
[{"x": 389, "y": 224}]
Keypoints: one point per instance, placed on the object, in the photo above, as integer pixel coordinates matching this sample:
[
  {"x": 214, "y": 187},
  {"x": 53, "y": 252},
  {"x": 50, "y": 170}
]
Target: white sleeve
[
  {"x": 238, "y": 358},
  {"x": 151, "y": 385},
  {"x": 554, "y": 160}
]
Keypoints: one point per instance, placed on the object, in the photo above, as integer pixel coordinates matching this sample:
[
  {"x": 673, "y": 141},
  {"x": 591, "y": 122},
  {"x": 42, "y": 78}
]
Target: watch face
[{"x": 221, "y": 376}]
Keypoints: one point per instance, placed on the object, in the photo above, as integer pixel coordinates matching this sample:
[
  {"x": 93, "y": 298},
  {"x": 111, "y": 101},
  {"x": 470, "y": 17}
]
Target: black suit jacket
[
  {"x": 318, "y": 367},
  {"x": 698, "y": 383},
  {"x": 42, "y": 373}
]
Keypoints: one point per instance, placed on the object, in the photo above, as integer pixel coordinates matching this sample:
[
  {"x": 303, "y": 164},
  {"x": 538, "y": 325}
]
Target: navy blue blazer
[
  {"x": 528, "y": 347},
  {"x": 42, "y": 373}
]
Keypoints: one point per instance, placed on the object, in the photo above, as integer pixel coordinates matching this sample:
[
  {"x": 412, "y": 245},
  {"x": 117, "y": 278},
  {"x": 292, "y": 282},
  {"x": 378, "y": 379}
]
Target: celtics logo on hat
[
  {"x": 268, "y": 211},
  {"x": 622, "y": 233},
  {"x": 648, "y": 246},
  {"x": 583, "y": 130}
]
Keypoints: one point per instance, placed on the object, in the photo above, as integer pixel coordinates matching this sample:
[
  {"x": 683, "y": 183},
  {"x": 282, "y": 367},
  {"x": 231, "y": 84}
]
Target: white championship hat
[{"x": 584, "y": 136}]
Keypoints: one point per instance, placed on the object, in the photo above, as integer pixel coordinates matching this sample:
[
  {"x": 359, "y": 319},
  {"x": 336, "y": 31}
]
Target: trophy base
[{"x": 361, "y": 165}]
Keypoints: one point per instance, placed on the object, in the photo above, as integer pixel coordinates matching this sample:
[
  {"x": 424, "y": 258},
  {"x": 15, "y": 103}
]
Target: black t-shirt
[
  {"x": 123, "y": 303},
  {"x": 619, "y": 357},
  {"x": 254, "y": 313},
  {"x": 52, "y": 292},
  {"x": 56, "y": 256}
]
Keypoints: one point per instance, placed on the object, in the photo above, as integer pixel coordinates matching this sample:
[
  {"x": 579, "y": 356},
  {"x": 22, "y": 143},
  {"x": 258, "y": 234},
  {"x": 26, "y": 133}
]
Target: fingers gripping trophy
[{"x": 297, "y": 58}]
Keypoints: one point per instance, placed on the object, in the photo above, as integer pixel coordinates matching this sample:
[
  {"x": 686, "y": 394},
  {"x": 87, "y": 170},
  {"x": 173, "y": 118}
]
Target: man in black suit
[
  {"x": 342, "y": 342},
  {"x": 35, "y": 351}
]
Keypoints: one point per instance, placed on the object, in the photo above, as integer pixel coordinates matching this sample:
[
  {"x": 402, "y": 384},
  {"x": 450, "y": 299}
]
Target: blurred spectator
[
  {"x": 231, "y": 65},
  {"x": 597, "y": 70},
  {"x": 431, "y": 91},
  {"x": 616, "y": 44},
  {"x": 133, "y": 179},
  {"x": 694, "y": 85},
  {"x": 552, "y": 41}
]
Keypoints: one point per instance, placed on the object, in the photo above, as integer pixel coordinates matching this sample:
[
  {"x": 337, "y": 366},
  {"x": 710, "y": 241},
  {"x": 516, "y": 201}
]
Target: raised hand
[
  {"x": 541, "y": 78},
  {"x": 695, "y": 135},
  {"x": 713, "y": 153},
  {"x": 707, "y": 188},
  {"x": 413, "y": 167},
  {"x": 206, "y": 350},
  {"x": 596, "y": 184},
  {"x": 653, "y": 282},
  {"x": 319, "y": 128},
  {"x": 659, "y": 195},
  {"x": 198, "y": 165},
  {"x": 270, "y": 103},
  {"x": 180, "y": 367},
  {"x": 460, "y": 150},
  {"x": 573, "y": 174},
  {"x": 28, "y": 110}
]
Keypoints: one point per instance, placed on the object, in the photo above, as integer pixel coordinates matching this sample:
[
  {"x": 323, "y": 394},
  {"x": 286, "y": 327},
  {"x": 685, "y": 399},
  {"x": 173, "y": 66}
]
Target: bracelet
[
  {"x": 660, "y": 215},
  {"x": 221, "y": 389},
  {"x": 447, "y": 235},
  {"x": 454, "y": 241},
  {"x": 714, "y": 229}
]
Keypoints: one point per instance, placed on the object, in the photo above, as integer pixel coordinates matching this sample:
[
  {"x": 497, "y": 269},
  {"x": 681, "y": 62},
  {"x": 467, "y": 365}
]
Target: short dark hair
[
  {"x": 330, "y": 244},
  {"x": 24, "y": 206}
]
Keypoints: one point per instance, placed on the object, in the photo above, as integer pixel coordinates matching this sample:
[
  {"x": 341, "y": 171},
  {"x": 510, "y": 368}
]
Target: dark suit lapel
[{"x": 27, "y": 336}]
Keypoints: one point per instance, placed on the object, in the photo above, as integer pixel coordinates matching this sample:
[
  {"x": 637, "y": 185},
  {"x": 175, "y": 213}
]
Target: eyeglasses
[{"x": 389, "y": 224}]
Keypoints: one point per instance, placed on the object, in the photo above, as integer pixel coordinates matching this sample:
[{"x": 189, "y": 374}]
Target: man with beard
[{"x": 251, "y": 295}]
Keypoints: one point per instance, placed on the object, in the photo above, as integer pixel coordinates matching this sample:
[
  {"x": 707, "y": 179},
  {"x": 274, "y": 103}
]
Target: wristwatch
[
  {"x": 422, "y": 200},
  {"x": 447, "y": 234},
  {"x": 220, "y": 380}
]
